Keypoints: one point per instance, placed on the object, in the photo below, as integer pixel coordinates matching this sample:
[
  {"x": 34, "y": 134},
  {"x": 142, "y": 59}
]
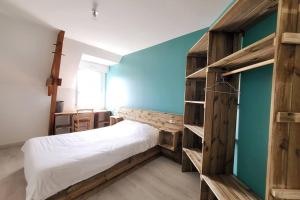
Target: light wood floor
[{"x": 159, "y": 179}]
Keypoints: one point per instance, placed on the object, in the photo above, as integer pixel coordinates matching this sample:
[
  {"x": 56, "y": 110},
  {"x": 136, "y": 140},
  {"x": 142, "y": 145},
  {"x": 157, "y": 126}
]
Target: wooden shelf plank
[
  {"x": 290, "y": 38},
  {"x": 195, "y": 156},
  {"x": 261, "y": 64},
  {"x": 195, "y": 102},
  {"x": 168, "y": 146},
  {"x": 258, "y": 52},
  {"x": 243, "y": 13},
  {"x": 201, "y": 73},
  {"x": 198, "y": 130},
  {"x": 228, "y": 187},
  {"x": 201, "y": 46},
  {"x": 285, "y": 194}
]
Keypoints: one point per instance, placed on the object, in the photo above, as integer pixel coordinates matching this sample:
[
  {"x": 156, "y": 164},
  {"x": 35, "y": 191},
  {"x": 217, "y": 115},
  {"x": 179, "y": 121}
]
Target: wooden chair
[{"x": 83, "y": 120}]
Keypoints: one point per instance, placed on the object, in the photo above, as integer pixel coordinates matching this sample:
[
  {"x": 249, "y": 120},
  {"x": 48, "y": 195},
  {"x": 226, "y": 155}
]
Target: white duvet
[{"x": 53, "y": 163}]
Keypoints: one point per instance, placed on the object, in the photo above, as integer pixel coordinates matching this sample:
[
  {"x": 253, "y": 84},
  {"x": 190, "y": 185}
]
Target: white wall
[
  {"x": 25, "y": 63},
  {"x": 74, "y": 51}
]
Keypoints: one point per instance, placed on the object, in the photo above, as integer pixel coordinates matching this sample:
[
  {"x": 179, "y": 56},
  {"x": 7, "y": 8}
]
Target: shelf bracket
[
  {"x": 290, "y": 38},
  {"x": 285, "y": 194},
  {"x": 286, "y": 117}
]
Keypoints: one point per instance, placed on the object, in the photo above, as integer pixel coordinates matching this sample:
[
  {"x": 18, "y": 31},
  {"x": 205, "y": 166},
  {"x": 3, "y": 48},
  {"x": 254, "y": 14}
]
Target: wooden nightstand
[
  {"x": 169, "y": 139},
  {"x": 114, "y": 119},
  {"x": 170, "y": 143}
]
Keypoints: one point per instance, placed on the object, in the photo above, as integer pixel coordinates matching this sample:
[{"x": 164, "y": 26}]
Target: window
[{"x": 90, "y": 85}]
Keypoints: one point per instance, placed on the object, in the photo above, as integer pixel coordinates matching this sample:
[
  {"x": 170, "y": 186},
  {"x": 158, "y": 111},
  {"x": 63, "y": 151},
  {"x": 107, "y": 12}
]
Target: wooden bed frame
[{"x": 84, "y": 189}]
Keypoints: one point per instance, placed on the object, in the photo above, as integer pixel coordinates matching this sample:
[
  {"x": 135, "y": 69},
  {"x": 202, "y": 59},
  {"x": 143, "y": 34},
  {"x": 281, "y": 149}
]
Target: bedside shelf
[
  {"x": 198, "y": 130},
  {"x": 168, "y": 146},
  {"x": 228, "y": 187},
  {"x": 195, "y": 155},
  {"x": 169, "y": 139}
]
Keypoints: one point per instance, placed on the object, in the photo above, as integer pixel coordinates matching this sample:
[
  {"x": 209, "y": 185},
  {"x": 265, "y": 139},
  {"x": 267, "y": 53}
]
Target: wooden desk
[{"x": 63, "y": 120}]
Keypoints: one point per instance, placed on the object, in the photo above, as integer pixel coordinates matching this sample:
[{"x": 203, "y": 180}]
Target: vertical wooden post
[
  {"x": 283, "y": 171},
  {"x": 220, "y": 113},
  {"x": 54, "y": 81}
]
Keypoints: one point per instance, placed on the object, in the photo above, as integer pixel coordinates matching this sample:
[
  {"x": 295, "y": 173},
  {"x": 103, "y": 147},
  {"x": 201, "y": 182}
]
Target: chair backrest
[{"x": 83, "y": 120}]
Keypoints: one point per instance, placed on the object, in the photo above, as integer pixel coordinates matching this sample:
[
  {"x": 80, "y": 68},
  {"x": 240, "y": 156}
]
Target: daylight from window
[{"x": 90, "y": 86}]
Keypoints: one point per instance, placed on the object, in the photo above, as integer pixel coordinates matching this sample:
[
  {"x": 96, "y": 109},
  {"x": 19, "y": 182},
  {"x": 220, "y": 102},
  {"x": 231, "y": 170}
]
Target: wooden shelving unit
[
  {"x": 210, "y": 116},
  {"x": 194, "y": 106}
]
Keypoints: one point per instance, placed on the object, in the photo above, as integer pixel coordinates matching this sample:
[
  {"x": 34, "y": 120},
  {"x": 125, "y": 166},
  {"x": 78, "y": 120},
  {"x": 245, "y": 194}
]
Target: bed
[{"x": 69, "y": 165}]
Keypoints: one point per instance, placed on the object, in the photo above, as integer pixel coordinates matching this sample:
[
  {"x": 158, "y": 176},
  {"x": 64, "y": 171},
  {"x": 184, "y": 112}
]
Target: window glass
[{"x": 90, "y": 86}]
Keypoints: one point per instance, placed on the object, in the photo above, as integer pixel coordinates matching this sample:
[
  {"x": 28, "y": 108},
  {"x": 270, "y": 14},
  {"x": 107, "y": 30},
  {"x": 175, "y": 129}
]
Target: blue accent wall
[
  {"x": 254, "y": 115},
  {"x": 152, "y": 78}
]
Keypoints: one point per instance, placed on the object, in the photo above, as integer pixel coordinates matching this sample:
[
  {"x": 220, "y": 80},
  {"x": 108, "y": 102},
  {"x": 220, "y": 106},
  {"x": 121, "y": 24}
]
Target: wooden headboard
[{"x": 160, "y": 120}]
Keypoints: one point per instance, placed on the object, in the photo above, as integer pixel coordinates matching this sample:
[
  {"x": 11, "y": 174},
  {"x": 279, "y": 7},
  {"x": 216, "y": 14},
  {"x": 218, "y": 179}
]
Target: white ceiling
[{"x": 124, "y": 26}]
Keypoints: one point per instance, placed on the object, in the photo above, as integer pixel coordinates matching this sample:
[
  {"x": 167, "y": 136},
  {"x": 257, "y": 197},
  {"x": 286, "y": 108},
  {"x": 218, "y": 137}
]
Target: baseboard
[{"x": 5, "y": 146}]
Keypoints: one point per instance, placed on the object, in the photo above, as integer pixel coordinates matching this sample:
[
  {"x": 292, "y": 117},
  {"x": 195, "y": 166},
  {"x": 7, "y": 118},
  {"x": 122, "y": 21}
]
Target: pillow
[{"x": 138, "y": 126}]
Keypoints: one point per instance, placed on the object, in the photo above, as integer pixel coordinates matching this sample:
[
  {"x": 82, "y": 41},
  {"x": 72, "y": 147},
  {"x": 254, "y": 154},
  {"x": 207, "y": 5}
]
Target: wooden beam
[
  {"x": 283, "y": 166},
  {"x": 261, "y": 64},
  {"x": 286, "y": 194},
  {"x": 285, "y": 117},
  {"x": 290, "y": 38},
  {"x": 54, "y": 81}
]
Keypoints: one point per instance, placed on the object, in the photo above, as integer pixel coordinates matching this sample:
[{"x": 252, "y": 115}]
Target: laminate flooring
[{"x": 158, "y": 179}]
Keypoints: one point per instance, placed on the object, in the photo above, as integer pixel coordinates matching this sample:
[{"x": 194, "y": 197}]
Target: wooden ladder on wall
[
  {"x": 54, "y": 81},
  {"x": 210, "y": 117}
]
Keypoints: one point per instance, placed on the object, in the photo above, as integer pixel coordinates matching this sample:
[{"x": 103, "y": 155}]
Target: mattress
[{"x": 53, "y": 163}]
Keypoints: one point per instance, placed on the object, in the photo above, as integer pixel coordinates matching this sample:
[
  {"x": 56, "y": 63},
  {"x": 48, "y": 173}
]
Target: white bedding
[{"x": 53, "y": 163}]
